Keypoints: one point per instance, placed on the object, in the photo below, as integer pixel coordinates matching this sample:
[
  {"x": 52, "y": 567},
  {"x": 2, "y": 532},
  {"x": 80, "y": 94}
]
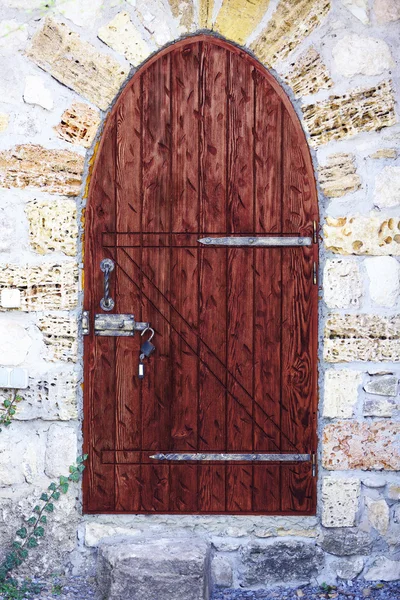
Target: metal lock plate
[{"x": 117, "y": 325}]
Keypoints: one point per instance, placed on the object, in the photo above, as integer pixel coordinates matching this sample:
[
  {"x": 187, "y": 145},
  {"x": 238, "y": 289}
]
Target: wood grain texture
[{"x": 202, "y": 142}]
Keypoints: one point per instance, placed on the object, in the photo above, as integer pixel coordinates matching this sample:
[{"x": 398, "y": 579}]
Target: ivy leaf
[
  {"x": 36, "y": 509},
  {"x": 32, "y": 542},
  {"x": 44, "y": 497},
  {"x": 18, "y": 398},
  {"x": 74, "y": 477},
  {"x": 63, "y": 480},
  {"x": 43, "y": 519},
  {"x": 72, "y": 469},
  {"x": 22, "y": 533},
  {"x": 52, "y": 487},
  {"x": 6, "y": 404},
  {"x": 49, "y": 507},
  {"x": 64, "y": 488},
  {"x": 39, "y": 532},
  {"x": 24, "y": 553},
  {"x": 12, "y": 411},
  {"x": 17, "y": 544},
  {"x": 56, "y": 495},
  {"x": 81, "y": 468},
  {"x": 32, "y": 521}
]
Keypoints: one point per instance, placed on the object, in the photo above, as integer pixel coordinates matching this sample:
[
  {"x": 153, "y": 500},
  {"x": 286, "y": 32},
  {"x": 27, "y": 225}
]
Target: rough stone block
[
  {"x": 387, "y": 188},
  {"x": 358, "y": 8},
  {"x": 171, "y": 569},
  {"x": 384, "y": 153},
  {"x": 341, "y": 393},
  {"x": 183, "y": 11},
  {"x": 340, "y": 117},
  {"x": 386, "y": 11},
  {"x": 221, "y": 572},
  {"x": 53, "y": 171},
  {"x": 4, "y": 120},
  {"x": 384, "y": 280},
  {"x": 15, "y": 343},
  {"x": 237, "y": 18},
  {"x": 61, "y": 450},
  {"x": 343, "y": 286},
  {"x": 37, "y": 93},
  {"x": 205, "y": 13},
  {"x": 338, "y": 176},
  {"x": 378, "y": 408},
  {"x": 273, "y": 562},
  {"x": 382, "y": 385},
  {"x": 349, "y": 568},
  {"x": 363, "y": 235},
  {"x": 346, "y": 542},
  {"x": 367, "y": 446},
  {"x": 290, "y": 24},
  {"x": 22, "y": 450},
  {"x": 378, "y": 514},
  {"x": 53, "y": 226},
  {"x": 76, "y": 63},
  {"x": 60, "y": 335},
  {"x": 394, "y": 491},
  {"x": 43, "y": 287},
  {"x": 96, "y": 532},
  {"x": 79, "y": 124},
  {"x": 155, "y": 19},
  {"x": 383, "y": 569},
  {"x": 83, "y": 14},
  {"x": 340, "y": 502},
  {"x": 308, "y": 74},
  {"x": 123, "y": 37},
  {"x": 369, "y": 56}
]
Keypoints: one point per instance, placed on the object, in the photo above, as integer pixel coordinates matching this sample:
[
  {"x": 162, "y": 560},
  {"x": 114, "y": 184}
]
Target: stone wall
[{"x": 338, "y": 61}]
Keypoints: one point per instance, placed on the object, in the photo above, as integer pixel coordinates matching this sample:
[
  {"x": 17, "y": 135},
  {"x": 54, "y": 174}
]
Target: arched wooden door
[{"x": 203, "y": 143}]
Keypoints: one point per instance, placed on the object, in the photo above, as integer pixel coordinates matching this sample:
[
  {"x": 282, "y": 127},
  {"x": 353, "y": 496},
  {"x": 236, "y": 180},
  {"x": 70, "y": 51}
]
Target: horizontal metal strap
[
  {"x": 256, "y": 241},
  {"x": 237, "y": 457}
]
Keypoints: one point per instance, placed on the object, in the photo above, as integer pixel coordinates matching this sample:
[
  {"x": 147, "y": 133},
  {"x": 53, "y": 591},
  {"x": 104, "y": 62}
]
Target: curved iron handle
[{"x": 107, "y": 303}]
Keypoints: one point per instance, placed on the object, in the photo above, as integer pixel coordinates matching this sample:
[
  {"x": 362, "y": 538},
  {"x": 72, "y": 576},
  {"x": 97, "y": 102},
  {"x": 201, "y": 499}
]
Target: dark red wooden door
[{"x": 202, "y": 143}]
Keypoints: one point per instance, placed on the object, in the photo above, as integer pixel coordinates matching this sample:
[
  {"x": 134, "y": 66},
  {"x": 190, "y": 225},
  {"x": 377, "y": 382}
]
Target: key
[{"x": 141, "y": 367}]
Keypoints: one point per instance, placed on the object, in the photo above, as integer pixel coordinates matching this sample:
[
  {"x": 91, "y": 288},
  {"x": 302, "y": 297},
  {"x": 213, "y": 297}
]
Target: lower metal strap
[{"x": 237, "y": 457}]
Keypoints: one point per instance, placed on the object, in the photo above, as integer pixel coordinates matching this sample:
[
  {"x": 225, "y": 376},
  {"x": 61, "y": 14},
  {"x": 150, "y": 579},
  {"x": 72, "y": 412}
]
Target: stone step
[{"x": 151, "y": 569}]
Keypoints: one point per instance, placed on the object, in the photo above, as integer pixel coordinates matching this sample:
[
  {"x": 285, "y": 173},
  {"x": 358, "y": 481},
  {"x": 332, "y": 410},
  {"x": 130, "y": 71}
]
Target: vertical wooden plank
[
  {"x": 128, "y": 488},
  {"x": 183, "y": 488},
  {"x": 299, "y": 489},
  {"x": 211, "y": 488},
  {"x": 99, "y": 353},
  {"x": 239, "y": 488},
  {"x": 155, "y": 488}
]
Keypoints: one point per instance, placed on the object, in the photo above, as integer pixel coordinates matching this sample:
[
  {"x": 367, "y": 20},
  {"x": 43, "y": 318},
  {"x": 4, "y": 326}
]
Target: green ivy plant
[
  {"x": 10, "y": 408},
  {"x": 34, "y": 528}
]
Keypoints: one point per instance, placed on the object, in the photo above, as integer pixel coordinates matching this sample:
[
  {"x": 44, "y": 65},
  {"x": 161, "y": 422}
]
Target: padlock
[{"x": 147, "y": 348}]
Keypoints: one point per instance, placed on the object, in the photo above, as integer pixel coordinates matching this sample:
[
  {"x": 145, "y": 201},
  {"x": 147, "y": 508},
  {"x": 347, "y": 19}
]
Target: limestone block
[
  {"x": 60, "y": 335},
  {"x": 271, "y": 562},
  {"x": 340, "y": 501},
  {"x": 374, "y": 482},
  {"x": 53, "y": 226},
  {"x": 43, "y": 287},
  {"x": 343, "y": 286},
  {"x": 183, "y": 11},
  {"x": 369, "y": 56},
  {"x": 341, "y": 393},
  {"x": 378, "y": 408},
  {"x": 358, "y": 8},
  {"x": 394, "y": 491},
  {"x": 349, "y": 568},
  {"x": 22, "y": 452},
  {"x": 308, "y": 74},
  {"x": 362, "y": 337},
  {"x": 338, "y": 176},
  {"x": 387, "y": 188},
  {"x": 366, "y": 445},
  {"x": 54, "y": 171},
  {"x": 76, "y": 63},
  {"x": 382, "y": 385},
  {"x": 290, "y": 24},
  {"x": 373, "y": 235},
  {"x": 36, "y": 92},
  {"x": 171, "y": 569},
  {"x": 386, "y": 11},
  {"x": 10, "y": 298},
  {"x": 383, "y": 569},
  {"x": 81, "y": 13},
  {"x": 155, "y": 19},
  {"x": 78, "y": 125},
  {"x": 15, "y": 343},
  {"x": 123, "y": 37},
  {"x": 61, "y": 450},
  {"x": 378, "y": 514},
  {"x": 4, "y": 120},
  {"x": 221, "y": 572},
  {"x": 384, "y": 280},
  {"x": 346, "y": 542},
  {"x": 237, "y": 18},
  {"x": 95, "y": 532},
  {"x": 343, "y": 116},
  {"x": 384, "y": 153},
  {"x": 205, "y": 13}
]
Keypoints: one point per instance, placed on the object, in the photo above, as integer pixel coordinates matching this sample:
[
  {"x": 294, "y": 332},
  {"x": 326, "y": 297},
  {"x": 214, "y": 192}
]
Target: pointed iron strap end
[{"x": 158, "y": 456}]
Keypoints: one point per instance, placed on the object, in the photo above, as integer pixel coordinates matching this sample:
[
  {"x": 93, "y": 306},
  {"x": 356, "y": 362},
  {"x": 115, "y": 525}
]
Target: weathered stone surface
[
  {"x": 36, "y": 93},
  {"x": 349, "y": 568},
  {"x": 362, "y": 235},
  {"x": 15, "y": 343},
  {"x": 340, "y": 117},
  {"x": 346, "y": 542},
  {"x": 79, "y": 124},
  {"x": 22, "y": 450},
  {"x": 338, "y": 176},
  {"x": 53, "y": 226},
  {"x": 170, "y": 569},
  {"x": 183, "y": 11},
  {"x": 95, "y": 532},
  {"x": 43, "y": 287},
  {"x": 237, "y": 18},
  {"x": 340, "y": 501},
  {"x": 76, "y": 63},
  {"x": 290, "y": 24},
  {"x": 221, "y": 572},
  {"x": 61, "y": 450},
  {"x": 374, "y": 482},
  {"x": 384, "y": 280},
  {"x": 60, "y": 336},
  {"x": 54, "y": 171},
  {"x": 155, "y": 19},
  {"x": 386, "y": 11},
  {"x": 123, "y": 37},
  {"x": 383, "y": 569},
  {"x": 13, "y": 35},
  {"x": 205, "y": 13},
  {"x": 351, "y": 445},
  {"x": 358, "y": 8},
  {"x": 385, "y": 385},
  {"x": 81, "y": 13},
  {"x": 369, "y": 56},
  {"x": 271, "y": 562},
  {"x": 384, "y": 153},
  {"x": 394, "y": 491},
  {"x": 341, "y": 393},
  {"x": 387, "y": 188},
  {"x": 362, "y": 337},
  {"x": 4, "y": 120},
  {"x": 308, "y": 74},
  {"x": 378, "y": 408},
  {"x": 378, "y": 514},
  {"x": 343, "y": 286}
]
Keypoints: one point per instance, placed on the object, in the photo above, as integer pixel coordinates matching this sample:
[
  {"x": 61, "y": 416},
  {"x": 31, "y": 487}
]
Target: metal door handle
[{"x": 107, "y": 303}]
